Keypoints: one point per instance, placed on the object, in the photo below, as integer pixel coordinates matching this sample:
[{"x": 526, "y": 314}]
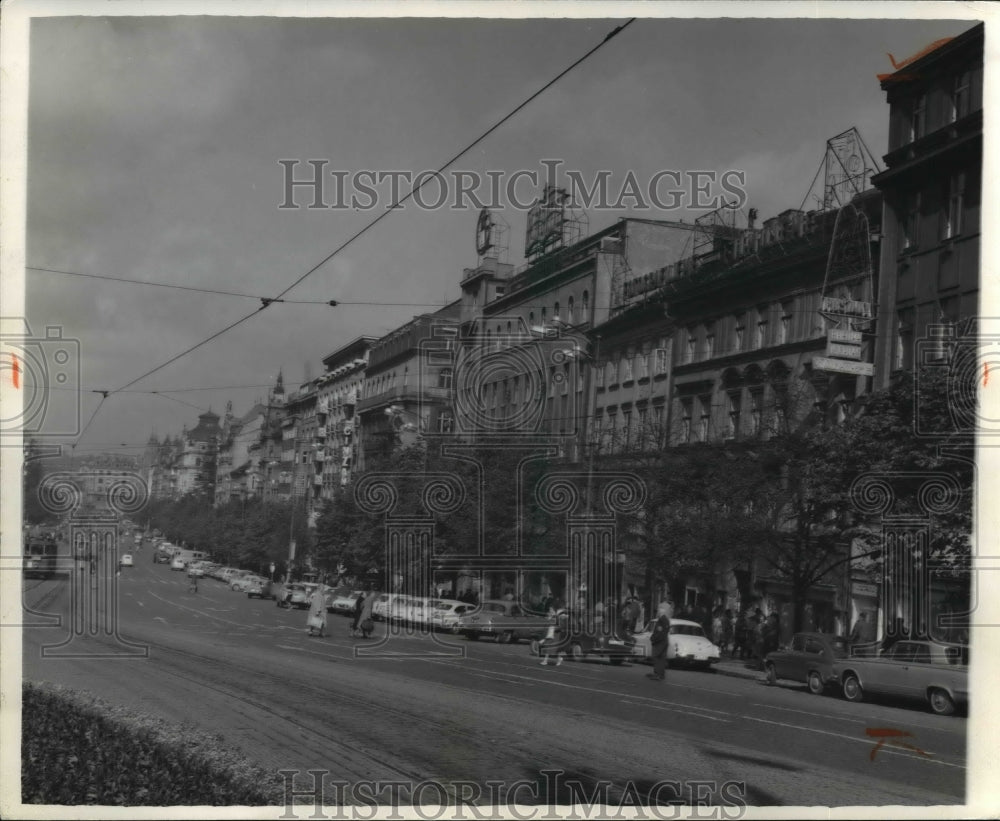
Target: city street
[{"x": 479, "y": 711}]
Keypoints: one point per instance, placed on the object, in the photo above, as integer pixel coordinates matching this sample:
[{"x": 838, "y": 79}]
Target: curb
[{"x": 737, "y": 672}]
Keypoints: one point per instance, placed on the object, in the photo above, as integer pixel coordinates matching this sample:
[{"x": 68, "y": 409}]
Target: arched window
[
  {"x": 555, "y": 312},
  {"x": 543, "y": 316},
  {"x": 585, "y": 308},
  {"x": 570, "y": 318},
  {"x": 508, "y": 332}
]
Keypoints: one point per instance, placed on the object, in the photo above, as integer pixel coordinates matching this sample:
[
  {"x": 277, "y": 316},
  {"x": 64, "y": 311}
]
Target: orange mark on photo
[
  {"x": 16, "y": 371},
  {"x": 891, "y": 735},
  {"x": 986, "y": 373}
]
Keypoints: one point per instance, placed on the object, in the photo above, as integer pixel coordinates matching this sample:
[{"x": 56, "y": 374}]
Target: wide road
[{"x": 457, "y": 711}]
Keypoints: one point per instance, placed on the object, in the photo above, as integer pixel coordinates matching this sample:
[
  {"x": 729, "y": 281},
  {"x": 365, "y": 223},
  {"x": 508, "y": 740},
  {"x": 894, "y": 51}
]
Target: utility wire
[{"x": 426, "y": 178}]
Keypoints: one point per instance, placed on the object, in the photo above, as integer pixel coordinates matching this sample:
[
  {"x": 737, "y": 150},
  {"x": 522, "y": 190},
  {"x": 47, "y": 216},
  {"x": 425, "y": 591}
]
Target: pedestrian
[
  {"x": 365, "y": 624},
  {"x": 769, "y": 637},
  {"x": 359, "y": 606},
  {"x": 863, "y": 632},
  {"x": 192, "y": 583},
  {"x": 757, "y": 633},
  {"x": 717, "y": 626},
  {"x": 317, "y": 613},
  {"x": 741, "y": 635},
  {"x": 557, "y": 635},
  {"x": 660, "y": 642},
  {"x": 727, "y": 632}
]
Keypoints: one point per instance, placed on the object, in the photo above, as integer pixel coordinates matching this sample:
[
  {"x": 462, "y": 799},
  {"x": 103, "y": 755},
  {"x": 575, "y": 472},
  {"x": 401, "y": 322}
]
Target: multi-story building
[
  {"x": 529, "y": 334},
  {"x": 196, "y": 468},
  {"x": 406, "y": 392},
  {"x": 238, "y": 469},
  {"x": 338, "y": 392},
  {"x": 931, "y": 188}
]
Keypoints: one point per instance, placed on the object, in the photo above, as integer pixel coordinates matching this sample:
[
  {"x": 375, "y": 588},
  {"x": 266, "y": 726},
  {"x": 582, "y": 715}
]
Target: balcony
[
  {"x": 319, "y": 456},
  {"x": 413, "y": 394}
]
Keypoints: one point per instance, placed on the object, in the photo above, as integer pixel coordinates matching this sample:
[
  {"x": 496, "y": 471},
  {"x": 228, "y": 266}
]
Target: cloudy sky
[{"x": 154, "y": 148}]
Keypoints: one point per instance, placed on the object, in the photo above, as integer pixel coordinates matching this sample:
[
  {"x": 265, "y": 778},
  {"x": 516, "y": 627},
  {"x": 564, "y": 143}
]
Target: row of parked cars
[{"x": 932, "y": 672}]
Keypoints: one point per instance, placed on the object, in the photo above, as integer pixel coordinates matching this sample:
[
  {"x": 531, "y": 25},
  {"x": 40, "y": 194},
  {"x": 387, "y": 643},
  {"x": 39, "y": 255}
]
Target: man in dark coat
[{"x": 660, "y": 641}]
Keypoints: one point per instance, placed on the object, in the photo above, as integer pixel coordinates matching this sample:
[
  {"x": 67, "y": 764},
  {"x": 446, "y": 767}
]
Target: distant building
[
  {"x": 238, "y": 469},
  {"x": 196, "y": 471},
  {"x": 932, "y": 191},
  {"x": 339, "y": 390}
]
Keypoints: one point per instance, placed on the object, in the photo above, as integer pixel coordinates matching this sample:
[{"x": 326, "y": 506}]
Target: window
[
  {"x": 761, "y": 340},
  {"x": 658, "y": 424},
  {"x": 780, "y": 407},
  {"x": 599, "y": 375},
  {"x": 756, "y": 401},
  {"x": 642, "y": 432},
  {"x": 918, "y": 117},
  {"x": 612, "y": 372},
  {"x": 627, "y": 429},
  {"x": 446, "y": 422},
  {"x": 685, "y": 421},
  {"x": 734, "y": 414},
  {"x": 444, "y": 378},
  {"x": 508, "y": 333},
  {"x": 738, "y": 333},
  {"x": 660, "y": 365},
  {"x": 543, "y": 317},
  {"x": 531, "y": 318},
  {"x": 555, "y": 312},
  {"x": 911, "y": 221},
  {"x": 785, "y": 329},
  {"x": 585, "y": 310},
  {"x": 692, "y": 345},
  {"x": 642, "y": 366},
  {"x": 626, "y": 369},
  {"x": 961, "y": 95},
  {"x": 570, "y": 315},
  {"x": 709, "y": 342},
  {"x": 705, "y": 415},
  {"x": 953, "y": 213},
  {"x": 904, "y": 339}
]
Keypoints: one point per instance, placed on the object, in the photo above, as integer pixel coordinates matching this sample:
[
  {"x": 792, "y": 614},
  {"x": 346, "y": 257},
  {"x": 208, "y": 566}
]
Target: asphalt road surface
[{"x": 443, "y": 708}]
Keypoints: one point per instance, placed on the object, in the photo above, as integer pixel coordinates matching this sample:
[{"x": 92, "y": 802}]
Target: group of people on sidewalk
[{"x": 748, "y": 636}]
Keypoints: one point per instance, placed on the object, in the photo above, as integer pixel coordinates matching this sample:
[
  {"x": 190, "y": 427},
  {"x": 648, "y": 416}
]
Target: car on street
[
  {"x": 506, "y": 621},
  {"x": 261, "y": 588},
  {"x": 810, "y": 658},
  {"x": 688, "y": 645},
  {"x": 446, "y": 613},
  {"x": 292, "y": 595},
  {"x": 928, "y": 671},
  {"x": 240, "y": 581},
  {"x": 382, "y": 606},
  {"x": 342, "y": 601},
  {"x": 177, "y": 563},
  {"x": 126, "y": 560}
]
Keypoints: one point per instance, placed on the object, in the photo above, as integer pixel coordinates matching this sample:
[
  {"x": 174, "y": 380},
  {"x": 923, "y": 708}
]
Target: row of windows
[
  {"x": 928, "y": 112},
  {"x": 507, "y": 332},
  {"x": 633, "y": 365},
  {"x": 948, "y": 203},
  {"x": 749, "y": 331}
]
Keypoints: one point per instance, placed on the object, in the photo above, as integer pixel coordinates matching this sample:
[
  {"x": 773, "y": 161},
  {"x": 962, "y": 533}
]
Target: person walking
[
  {"x": 741, "y": 636},
  {"x": 557, "y": 636},
  {"x": 660, "y": 642},
  {"x": 770, "y": 633},
  {"x": 365, "y": 625},
  {"x": 359, "y": 606},
  {"x": 727, "y": 633},
  {"x": 192, "y": 583},
  {"x": 317, "y": 613}
]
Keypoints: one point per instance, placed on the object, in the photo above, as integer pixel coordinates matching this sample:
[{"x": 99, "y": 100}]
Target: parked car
[
  {"x": 506, "y": 621},
  {"x": 196, "y": 569},
  {"x": 445, "y": 614},
  {"x": 342, "y": 601},
  {"x": 383, "y": 605},
  {"x": 161, "y": 557},
  {"x": 586, "y": 640},
  {"x": 260, "y": 588},
  {"x": 240, "y": 581},
  {"x": 688, "y": 644},
  {"x": 937, "y": 674},
  {"x": 811, "y": 658},
  {"x": 126, "y": 560},
  {"x": 177, "y": 563},
  {"x": 293, "y": 595}
]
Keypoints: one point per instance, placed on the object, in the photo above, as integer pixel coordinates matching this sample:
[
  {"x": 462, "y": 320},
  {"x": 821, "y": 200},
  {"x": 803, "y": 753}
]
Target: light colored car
[
  {"x": 260, "y": 588},
  {"x": 921, "y": 670},
  {"x": 506, "y": 621},
  {"x": 342, "y": 601},
  {"x": 382, "y": 606},
  {"x": 294, "y": 595},
  {"x": 688, "y": 644},
  {"x": 241, "y": 584},
  {"x": 418, "y": 613},
  {"x": 126, "y": 560},
  {"x": 446, "y": 613},
  {"x": 399, "y": 609},
  {"x": 177, "y": 563}
]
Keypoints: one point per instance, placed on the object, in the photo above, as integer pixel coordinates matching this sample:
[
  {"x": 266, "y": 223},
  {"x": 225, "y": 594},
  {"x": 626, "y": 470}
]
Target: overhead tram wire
[{"x": 265, "y": 303}]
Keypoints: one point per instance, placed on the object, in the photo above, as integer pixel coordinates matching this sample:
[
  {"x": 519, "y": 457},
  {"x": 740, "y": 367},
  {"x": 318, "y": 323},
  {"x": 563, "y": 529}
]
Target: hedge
[{"x": 77, "y": 749}]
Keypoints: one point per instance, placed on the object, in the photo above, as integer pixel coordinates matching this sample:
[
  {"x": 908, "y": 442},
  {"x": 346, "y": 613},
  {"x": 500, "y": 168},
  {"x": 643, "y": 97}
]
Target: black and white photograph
[{"x": 497, "y": 410}]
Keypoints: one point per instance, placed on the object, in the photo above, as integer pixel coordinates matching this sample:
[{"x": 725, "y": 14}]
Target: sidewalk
[{"x": 740, "y": 668}]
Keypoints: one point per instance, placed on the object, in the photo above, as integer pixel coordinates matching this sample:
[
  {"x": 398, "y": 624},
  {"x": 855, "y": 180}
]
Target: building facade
[{"x": 932, "y": 190}]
